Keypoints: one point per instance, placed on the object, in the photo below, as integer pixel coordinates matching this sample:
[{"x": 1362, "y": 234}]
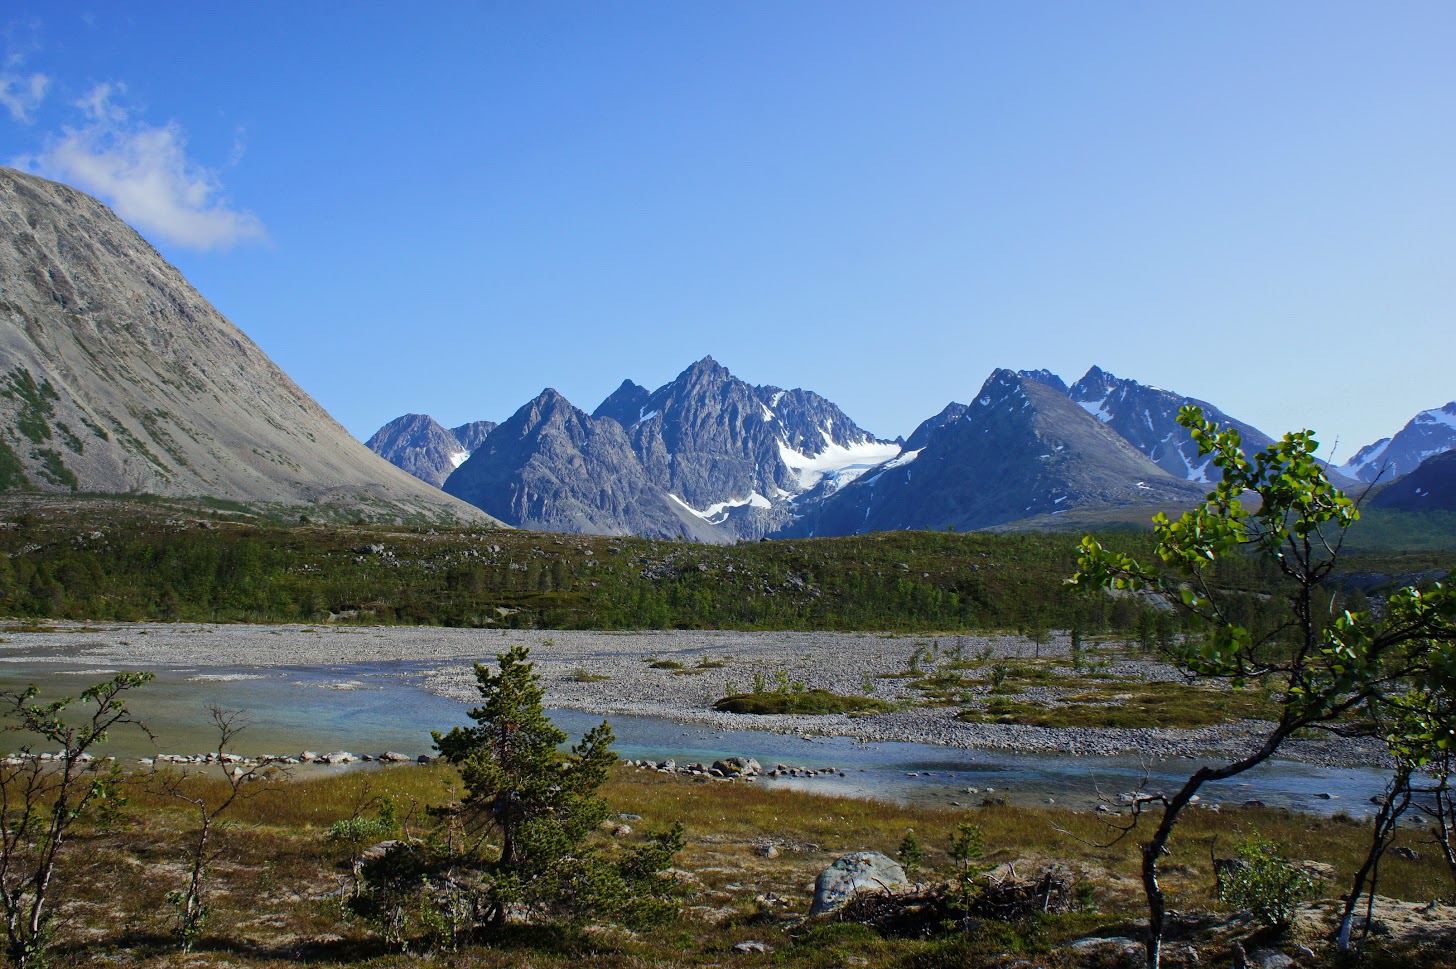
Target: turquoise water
[{"x": 373, "y": 707}]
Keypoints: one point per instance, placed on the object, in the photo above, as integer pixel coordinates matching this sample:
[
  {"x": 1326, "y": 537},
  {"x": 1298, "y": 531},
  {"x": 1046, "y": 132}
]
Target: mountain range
[
  {"x": 712, "y": 458},
  {"x": 117, "y": 376}
]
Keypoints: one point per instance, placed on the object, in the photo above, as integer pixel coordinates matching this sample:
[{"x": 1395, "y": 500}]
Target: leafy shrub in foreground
[{"x": 1269, "y": 885}]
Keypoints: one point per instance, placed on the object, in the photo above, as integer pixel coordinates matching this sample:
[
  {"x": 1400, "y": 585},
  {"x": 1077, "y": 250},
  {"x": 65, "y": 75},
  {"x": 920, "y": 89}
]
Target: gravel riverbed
[{"x": 612, "y": 673}]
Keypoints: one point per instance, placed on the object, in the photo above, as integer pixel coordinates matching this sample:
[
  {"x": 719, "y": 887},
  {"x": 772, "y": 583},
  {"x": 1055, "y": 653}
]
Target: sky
[{"x": 444, "y": 208}]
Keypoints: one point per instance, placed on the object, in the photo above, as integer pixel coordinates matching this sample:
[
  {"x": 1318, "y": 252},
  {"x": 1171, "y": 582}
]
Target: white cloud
[
  {"x": 144, "y": 173},
  {"x": 22, "y": 95}
]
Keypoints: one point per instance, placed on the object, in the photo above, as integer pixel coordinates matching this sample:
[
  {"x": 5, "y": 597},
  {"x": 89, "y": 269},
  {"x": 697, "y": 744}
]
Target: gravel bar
[{"x": 612, "y": 673}]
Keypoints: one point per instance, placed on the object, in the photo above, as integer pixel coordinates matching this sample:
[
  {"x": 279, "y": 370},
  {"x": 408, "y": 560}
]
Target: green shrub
[{"x": 1268, "y": 884}]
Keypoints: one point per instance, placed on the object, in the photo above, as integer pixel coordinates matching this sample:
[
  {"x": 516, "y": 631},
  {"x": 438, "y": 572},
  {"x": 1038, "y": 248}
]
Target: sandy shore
[{"x": 612, "y": 673}]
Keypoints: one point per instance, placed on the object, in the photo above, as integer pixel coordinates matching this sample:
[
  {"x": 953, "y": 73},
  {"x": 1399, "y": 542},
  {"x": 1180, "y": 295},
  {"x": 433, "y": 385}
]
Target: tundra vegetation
[
  {"x": 463, "y": 861},
  {"x": 108, "y": 559}
]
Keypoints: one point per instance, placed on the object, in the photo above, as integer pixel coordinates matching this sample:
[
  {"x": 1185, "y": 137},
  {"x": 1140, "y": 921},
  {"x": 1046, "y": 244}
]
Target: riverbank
[{"x": 675, "y": 674}]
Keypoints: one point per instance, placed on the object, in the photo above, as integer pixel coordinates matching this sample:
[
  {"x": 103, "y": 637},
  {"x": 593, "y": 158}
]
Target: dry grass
[{"x": 276, "y": 878}]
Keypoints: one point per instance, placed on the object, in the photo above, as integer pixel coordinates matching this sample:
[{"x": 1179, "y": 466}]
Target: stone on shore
[{"x": 854, "y": 874}]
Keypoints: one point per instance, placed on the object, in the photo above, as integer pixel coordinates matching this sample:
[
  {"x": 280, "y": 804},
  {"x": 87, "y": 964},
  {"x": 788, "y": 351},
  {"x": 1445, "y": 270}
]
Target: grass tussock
[
  {"x": 1176, "y": 705},
  {"x": 811, "y": 702}
]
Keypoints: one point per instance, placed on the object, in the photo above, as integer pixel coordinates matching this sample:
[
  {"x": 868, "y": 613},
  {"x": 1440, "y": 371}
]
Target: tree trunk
[{"x": 1396, "y": 800}]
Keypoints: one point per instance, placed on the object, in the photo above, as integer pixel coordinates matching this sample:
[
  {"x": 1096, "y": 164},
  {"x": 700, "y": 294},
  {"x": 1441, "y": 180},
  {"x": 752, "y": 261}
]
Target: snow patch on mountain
[
  {"x": 458, "y": 458},
  {"x": 717, "y": 513},
  {"x": 905, "y": 459},
  {"x": 842, "y": 464}
]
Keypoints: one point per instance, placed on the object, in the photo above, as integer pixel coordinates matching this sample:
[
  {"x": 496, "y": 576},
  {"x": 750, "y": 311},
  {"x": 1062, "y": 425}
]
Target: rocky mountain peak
[
  {"x": 1095, "y": 384},
  {"x": 951, "y": 413},
  {"x": 1429, "y": 433},
  {"x": 626, "y": 405},
  {"x": 1046, "y": 378},
  {"x": 416, "y": 443},
  {"x": 1147, "y": 418}
]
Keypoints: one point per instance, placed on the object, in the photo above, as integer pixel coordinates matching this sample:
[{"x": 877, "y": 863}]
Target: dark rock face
[
  {"x": 1147, "y": 418},
  {"x": 1430, "y": 487},
  {"x": 117, "y": 376},
  {"x": 416, "y": 443},
  {"x": 1429, "y": 433},
  {"x": 551, "y": 466},
  {"x": 626, "y": 405},
  {"x": 1022, "y": 448},
  {"x": 470, "y": 435},
  {"x": 707, "y": 456},
  {"x": 921, "y": 435}
]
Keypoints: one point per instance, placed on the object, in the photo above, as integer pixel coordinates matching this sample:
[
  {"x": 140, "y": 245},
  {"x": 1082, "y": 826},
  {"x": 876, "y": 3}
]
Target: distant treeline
[{"x": 107, "y": 561}]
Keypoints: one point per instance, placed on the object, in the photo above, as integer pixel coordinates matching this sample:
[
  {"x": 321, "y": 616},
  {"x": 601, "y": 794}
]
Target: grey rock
[
  {"x": 1270, "y": 959},
  {"x": 853, "y": 874},
  {"x": 752, "y": 945},
  {"x": 1121, "y": 945},
  {"x": 734, "y": 766},
  {"x": 139, "y": 385}
]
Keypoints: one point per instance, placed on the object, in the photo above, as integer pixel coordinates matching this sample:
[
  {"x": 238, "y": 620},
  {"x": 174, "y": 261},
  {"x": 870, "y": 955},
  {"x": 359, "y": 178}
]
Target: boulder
[
  {"x": 854, "y": 874},
  {"x": 733, "y": 766},
  {"x": 1119, "y": 946},
  {"x": 1270, "y": 959}
]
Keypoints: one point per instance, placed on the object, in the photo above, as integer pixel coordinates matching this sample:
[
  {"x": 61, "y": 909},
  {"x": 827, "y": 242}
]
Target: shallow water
[{"x": 373, "y": 707}]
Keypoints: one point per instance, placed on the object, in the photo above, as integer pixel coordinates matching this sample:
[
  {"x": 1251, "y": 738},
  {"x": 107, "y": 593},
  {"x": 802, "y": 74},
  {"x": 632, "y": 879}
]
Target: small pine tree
[
  {"x": 911, "y": 855},
  {"x": 544, "y": 811},
  {"x": 967, "y": 848}
]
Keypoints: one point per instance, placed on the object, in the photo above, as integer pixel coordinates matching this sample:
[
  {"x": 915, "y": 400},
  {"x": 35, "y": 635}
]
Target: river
[{"x": 373, "y": 707}]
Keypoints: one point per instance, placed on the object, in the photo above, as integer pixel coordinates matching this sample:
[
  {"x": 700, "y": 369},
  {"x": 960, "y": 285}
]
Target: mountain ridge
[{"x": 117, "y": 376}]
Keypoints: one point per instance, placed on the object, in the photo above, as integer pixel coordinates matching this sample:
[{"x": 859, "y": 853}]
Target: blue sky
[{"x": 444, "y": 208}]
